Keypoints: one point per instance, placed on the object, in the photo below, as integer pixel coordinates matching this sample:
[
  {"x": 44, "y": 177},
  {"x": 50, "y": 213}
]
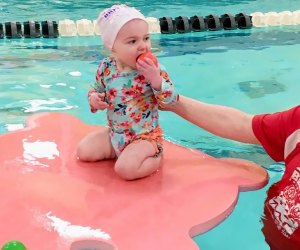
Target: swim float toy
[{"x": 51, "y": 200}]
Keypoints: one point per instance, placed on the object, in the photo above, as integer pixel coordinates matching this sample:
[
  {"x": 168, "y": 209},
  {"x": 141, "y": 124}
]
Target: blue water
[
  {"x": 71, "y": 9},
  {"x": 255, "y": 70}
]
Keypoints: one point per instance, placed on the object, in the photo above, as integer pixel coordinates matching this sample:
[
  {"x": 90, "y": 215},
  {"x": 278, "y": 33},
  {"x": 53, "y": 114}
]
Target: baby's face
[{"x": 132, "y": 40}]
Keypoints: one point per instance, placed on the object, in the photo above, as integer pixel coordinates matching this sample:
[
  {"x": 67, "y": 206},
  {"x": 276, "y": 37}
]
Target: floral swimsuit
[{"x": 132, "y": 111}]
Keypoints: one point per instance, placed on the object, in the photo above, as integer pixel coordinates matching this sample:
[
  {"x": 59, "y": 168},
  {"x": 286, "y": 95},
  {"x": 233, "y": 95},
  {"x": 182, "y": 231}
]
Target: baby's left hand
[{"x": 150, "y": 71}]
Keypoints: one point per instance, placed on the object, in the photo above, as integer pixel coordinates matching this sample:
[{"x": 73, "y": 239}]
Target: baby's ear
[{"x": 248, "y": 175}]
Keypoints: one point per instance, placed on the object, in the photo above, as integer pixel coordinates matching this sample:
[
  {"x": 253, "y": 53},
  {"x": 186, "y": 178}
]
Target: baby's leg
[
  {"x": 137, "y": 161},
  {"x": 96, "y": 146}
]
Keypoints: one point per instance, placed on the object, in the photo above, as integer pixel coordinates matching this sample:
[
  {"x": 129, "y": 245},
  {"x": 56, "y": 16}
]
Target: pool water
[{"x": 254, "y": 70}]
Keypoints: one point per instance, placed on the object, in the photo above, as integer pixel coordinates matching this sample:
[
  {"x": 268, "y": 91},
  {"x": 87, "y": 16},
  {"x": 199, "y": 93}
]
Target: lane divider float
[{"x": 163, "y": 25}]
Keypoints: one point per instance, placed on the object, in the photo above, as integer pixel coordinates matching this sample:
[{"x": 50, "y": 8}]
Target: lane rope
[{"x": 163, "y": 25}]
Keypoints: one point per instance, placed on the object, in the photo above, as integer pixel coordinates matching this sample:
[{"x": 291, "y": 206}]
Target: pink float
[{"x": 50, "y": 200}]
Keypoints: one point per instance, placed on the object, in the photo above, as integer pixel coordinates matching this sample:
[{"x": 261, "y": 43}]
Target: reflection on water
[
  {"x": 257, "y": 89},
  {"x": 33, "y": 106},
  {"x": 228, "y": 148},
  {"x": 27, "y": 53}
]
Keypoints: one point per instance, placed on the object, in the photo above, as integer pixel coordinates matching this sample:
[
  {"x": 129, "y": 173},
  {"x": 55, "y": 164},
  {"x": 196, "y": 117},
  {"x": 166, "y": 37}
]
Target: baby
[{"x": 131, "y": 89}]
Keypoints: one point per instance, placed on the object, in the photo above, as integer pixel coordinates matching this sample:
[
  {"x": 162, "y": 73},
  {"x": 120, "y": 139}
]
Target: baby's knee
[
  {"x": 83, "y": 153},
  {"x": 126, "y": 170}
]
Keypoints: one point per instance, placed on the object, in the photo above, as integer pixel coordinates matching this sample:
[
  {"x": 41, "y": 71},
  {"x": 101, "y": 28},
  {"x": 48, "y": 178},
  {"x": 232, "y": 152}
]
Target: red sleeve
[{"x": 272, "y": 130}]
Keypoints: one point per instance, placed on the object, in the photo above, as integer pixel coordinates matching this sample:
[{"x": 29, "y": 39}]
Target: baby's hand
[
  {"x": 97, "y": 101},
  {"x": 150, "y": 71}
]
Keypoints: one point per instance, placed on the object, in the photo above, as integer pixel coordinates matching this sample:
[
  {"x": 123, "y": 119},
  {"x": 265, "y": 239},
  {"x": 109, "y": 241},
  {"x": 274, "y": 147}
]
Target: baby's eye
[
  {"x": 132, "y": 41},
  {"x": 147, "y": 38}
]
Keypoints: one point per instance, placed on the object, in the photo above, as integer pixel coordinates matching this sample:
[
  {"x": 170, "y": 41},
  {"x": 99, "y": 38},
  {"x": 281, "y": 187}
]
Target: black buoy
[
  {"x": 1, "y": 31},
  {"x": 167, "y": 25},
  {"x": 228, "y": 22},
  {"x": 243, "y": 21},
  {"x": 13, "y": 30},
  {"x": 197, "y": 23},
  {"x": 213, "y": 22},
  {"x": 182, "y": 24},
  {"x": 32, "y": 29},
  {"x": 49, "y": 29}
]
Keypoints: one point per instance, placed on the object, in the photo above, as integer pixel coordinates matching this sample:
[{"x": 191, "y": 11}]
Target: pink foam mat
[{"x": 52, "y": 201}]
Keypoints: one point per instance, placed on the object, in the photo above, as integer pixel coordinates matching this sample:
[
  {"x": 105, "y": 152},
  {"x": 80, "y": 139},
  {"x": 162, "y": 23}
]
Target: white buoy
[
  {"x": 85, "y": 27},
  {"x": 154, "y": 26},
  {"x": 97, "y": 30},
  {"x": 67, "y": 27},
  {"x": 286, "y": 18},
  {"x": 258, "y": 19},
  {"x": 272, "y": 18},
  {"x": 296, "y": 17}
]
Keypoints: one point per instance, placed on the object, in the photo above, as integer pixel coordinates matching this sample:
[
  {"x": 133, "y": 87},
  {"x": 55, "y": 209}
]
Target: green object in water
[{"x": 14, "y": 245}]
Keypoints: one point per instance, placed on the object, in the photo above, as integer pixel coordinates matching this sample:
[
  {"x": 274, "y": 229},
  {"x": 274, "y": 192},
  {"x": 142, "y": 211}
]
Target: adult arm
[{"x": 220, "y": 120}]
